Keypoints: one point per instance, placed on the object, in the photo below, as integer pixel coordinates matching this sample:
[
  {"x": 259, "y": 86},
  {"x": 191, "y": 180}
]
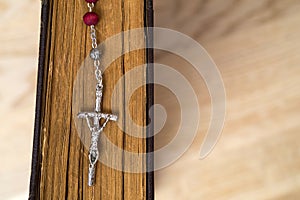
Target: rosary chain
[
  {"x": 90, "y": 6},
  {"x": 93, "y": 36},
  {"x": 97, "y": 63},
  {"x": 93, "y": 151},
  {"x": 93, "y": 119},
  {"x": 98, "y": 72}
]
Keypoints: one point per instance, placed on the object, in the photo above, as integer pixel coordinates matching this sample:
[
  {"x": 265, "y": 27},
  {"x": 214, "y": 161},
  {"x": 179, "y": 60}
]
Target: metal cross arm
[{"x": 97, "y": 115}]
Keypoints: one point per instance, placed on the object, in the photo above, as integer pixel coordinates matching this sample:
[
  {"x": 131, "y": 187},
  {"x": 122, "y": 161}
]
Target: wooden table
[
  {"x": 256, "y": 46},
  {"x": 19, "y": 33}
]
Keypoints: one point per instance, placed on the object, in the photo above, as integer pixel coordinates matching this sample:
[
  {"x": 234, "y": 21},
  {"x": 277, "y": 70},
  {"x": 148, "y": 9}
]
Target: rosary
[{"x": 93, "y": 118}]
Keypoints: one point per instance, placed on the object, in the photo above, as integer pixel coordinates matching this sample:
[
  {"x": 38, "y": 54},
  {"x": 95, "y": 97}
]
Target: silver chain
[
  {"x": 98, "y": 72},
  {"x": 97, "y": 63},
  {"x": 90, "y": 6},
  {"x": 93, "y": 36}
]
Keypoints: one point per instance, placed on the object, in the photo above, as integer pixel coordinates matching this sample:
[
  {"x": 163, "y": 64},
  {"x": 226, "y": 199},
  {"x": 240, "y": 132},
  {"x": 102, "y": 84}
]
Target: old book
[{"x": 60, "y": 158}]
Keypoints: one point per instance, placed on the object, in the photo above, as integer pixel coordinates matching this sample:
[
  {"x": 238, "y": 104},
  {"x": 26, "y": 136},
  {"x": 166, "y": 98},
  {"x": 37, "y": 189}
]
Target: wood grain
[
  {"x": 64, "y": 160},
  {"x": 255, "y": 45}
]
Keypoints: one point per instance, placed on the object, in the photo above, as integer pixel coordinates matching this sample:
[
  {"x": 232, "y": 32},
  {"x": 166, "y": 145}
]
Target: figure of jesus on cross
[{"x": 95, "y": 126}]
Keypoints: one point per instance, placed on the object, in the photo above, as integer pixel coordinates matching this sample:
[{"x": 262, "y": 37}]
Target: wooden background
[
  {"x": 19, "y": 33},
  {"x": 256, "y": 47}
]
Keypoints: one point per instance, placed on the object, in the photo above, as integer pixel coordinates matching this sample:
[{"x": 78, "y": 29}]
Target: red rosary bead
[
  {"x": 91, "y": 1},
  {"x": 90, "y": 18}
]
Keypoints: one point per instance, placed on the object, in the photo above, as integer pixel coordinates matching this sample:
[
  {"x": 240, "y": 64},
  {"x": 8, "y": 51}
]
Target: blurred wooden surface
[
  {"x": 19, "y": 33},
  {"x": 256, "y": 47}
]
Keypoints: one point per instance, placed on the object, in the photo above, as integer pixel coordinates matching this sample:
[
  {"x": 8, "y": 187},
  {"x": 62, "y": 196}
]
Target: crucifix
[{"x": 93, "y": 120}]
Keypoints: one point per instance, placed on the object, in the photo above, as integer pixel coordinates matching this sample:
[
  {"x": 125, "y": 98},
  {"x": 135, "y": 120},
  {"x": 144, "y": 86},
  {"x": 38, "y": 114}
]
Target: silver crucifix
[{"x": 95, "y": 126}]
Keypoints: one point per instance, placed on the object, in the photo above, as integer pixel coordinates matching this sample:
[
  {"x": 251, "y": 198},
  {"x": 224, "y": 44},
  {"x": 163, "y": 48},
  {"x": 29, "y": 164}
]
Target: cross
[{"x": 95, "y": 128}]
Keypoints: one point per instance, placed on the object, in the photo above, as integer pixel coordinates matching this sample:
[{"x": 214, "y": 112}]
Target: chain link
[
  {"x": 90, "y": 6},
  {"x": 97, "y": 63},
  {"x": 93, "y": 36}
]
